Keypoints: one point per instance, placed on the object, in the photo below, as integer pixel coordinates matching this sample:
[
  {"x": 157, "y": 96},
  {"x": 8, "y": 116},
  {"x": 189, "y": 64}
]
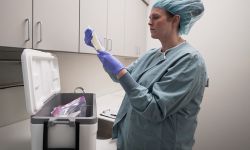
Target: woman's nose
[{"x": 150, "y": 22}]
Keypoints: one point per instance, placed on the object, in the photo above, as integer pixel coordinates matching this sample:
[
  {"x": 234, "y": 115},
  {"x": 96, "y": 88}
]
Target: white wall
[
  {"x": 85, "y": 70},
  {"x": 222, "y": 36}
]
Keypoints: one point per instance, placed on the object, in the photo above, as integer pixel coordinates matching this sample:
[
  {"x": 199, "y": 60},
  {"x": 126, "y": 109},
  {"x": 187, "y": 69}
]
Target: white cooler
[{"x": 42, "y": 93}]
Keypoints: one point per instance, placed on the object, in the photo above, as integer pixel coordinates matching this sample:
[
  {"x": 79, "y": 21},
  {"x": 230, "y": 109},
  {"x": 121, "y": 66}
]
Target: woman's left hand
[{"x": 110, "y": 63}]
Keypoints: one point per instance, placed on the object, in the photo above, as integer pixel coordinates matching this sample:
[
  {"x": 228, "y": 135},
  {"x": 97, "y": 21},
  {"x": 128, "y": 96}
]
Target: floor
[{"x": 17, "y": 137}]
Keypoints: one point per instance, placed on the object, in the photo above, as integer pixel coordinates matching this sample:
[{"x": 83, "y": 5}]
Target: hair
[
  {"x": 171, "y": 15},
  {"x": 189, "y": 11}
]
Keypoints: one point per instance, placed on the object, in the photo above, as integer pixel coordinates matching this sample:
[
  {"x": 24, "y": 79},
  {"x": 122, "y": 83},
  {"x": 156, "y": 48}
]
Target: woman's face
[{"x": 160, "y": 23}]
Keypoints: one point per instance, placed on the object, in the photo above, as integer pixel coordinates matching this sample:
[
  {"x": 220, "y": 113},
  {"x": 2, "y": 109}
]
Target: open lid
[{"x": 40, "y": 76}]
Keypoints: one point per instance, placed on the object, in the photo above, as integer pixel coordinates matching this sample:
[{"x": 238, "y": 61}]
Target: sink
[{"x": 104, "y": 129}]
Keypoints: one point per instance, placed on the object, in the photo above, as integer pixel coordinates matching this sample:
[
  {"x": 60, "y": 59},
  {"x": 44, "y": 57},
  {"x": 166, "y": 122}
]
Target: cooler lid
[{"x": 40, "y": 76}]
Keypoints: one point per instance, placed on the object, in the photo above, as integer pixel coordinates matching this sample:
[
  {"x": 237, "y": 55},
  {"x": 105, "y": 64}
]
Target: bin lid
[{"x": 40, "y": 76}]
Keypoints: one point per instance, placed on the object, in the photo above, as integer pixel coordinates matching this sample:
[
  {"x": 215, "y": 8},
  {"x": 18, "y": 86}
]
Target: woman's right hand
[{"x": 88, "y": 37}]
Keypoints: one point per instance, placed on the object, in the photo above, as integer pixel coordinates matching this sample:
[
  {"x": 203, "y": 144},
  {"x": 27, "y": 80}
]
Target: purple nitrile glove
[
  {"x": 110, "y": 63},
  {"x": 88, "y": 37}
]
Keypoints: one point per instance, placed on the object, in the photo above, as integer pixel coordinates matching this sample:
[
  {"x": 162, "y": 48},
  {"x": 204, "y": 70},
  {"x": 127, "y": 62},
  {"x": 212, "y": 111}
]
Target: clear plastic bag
[{"x": 75, "y": 108}]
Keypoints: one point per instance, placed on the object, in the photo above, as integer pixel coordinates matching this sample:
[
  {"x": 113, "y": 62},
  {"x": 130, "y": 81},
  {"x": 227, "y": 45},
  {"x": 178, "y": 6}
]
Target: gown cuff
[{"x": 128, "y": 83}]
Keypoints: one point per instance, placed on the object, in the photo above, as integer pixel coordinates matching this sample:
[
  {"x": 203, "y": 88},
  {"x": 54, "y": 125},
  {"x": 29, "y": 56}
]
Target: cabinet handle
[
  {"x": 27, "y": 22},
  {"x": 39, "y": 24},
  {"x": 106, "y": 43},
  {"x": 109, "y": 49},
  {"x": 111, "y": 45}
]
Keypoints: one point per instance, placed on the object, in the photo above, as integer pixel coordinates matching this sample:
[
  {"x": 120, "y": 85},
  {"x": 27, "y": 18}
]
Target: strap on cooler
[{"x": 45, "y": 137}]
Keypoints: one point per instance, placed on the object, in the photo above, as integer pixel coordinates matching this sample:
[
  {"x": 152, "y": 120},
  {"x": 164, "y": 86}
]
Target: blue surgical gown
[{"x": 162, "y": 100}]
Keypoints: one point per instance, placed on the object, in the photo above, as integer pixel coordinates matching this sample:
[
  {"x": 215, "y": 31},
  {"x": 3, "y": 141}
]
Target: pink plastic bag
[{"x": 75, "y": 108}]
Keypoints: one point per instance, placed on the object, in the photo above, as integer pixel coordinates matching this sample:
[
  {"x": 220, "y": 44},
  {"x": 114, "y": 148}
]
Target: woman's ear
[{"x": 176, "y": 20}]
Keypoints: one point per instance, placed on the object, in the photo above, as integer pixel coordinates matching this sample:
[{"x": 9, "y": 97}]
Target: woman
[{"x": 164, "y": 87}]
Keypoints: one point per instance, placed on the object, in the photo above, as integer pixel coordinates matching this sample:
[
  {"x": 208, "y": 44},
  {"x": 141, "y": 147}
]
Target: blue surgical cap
[{"x": 189, "y": 11}]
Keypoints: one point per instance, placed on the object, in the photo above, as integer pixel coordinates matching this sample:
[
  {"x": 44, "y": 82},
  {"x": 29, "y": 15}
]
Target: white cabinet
[
  {"x": 115, "y": 33},
  {"x": 16, "y": 23},
  {"x": 120, "y": 24},
  {"x": 56, "y": 25},
  {"x": 135, "y": 28},
  {"x": 93, "y": 13},
  {"x": 106, "y": 17}
]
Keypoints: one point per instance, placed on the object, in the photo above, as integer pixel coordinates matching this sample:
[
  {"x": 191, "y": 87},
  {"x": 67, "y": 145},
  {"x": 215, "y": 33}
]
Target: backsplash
[
  {"x": 11, "y": 74},
  {"x": 10, "y": 67},
  {"x": 12, "y": 108}
]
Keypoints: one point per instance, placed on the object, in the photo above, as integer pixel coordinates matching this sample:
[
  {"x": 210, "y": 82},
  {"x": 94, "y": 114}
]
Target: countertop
[{"x": 17, "y": 136}]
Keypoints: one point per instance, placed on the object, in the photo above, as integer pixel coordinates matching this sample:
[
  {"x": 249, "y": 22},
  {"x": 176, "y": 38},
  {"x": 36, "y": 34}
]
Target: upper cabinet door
[
  {"x": 115, "y": 33},
  {"x": 93, "y": 14},
  {"x": 141, "y": 27},
  {"x": 16, "y": 23},
  {"x": 56, "y": 25},
  {"x": 130, "y": 28},
  {"x": 135, "y": 28}
]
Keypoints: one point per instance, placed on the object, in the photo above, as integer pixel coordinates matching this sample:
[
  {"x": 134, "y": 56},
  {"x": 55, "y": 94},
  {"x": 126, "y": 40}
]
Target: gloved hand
[
  {"x": 110, "y": 63},
  {"x": 88, "y": 37}
]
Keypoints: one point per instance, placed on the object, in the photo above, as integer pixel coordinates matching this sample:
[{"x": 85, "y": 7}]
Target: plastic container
[{"x": 42, "y": 94}]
